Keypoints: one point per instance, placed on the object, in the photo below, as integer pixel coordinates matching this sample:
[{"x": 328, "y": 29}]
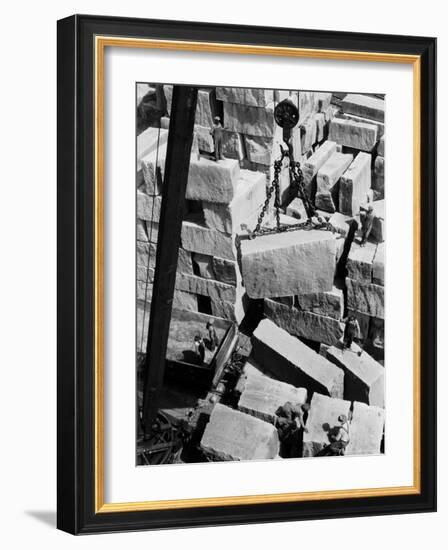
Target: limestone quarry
[{"x": 288, "y": 296}]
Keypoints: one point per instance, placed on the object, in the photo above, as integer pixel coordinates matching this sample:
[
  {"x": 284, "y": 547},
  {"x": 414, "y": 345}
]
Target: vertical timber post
[{"x": 177, "y": 164}]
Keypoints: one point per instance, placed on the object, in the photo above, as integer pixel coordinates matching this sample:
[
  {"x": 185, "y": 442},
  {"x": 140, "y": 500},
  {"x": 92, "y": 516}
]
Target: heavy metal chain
[{"x": 273, "y": 187}]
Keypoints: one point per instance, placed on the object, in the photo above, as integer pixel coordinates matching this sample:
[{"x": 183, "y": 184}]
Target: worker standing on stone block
[
  {"x": 352, "y": 331},
  {"x": 367, "y": 217},
  {"x": 199, "y": 348},
  {"x": 217, "y": 133},
  {"x": 212, "y": 336}
]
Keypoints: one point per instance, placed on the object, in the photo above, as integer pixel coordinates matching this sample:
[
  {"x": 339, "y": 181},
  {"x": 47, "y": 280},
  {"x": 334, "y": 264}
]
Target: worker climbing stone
[
  {"x": 367, "y": 217},
  {"x": 217, "y": 132}
]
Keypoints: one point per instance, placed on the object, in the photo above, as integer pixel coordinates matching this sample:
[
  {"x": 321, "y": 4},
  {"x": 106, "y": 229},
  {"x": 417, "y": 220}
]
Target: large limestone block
[
  {"x": 141, "y": 232},
  {"x": 149, "y": 141},
  {"x": 261, "y": 395},
  {"x": 308, "y": 134},
  {"x": 197, "y": 238},
  {"x": 312, "y": 165},
  {"x": 328, "y": 176},
  {"x": 206, "y": 106},
  {"x": 364, "y": 106},
  {"x": 356, "y": 135},
  {"x": 146, "y": 254},
  {"x": 152, "y": 171},
  {"x": 233, "y": 435},
  {"x": 205, "y": 287},
  {"x": 204, "y": 138},
  {"x": 184, "y": 262},
  {"x": 226, "y": 271},
  {"x": 296, "y": 209},
  {"x": 291, "y": 361},
  {"x": 303, "y": 324},
  {"x": 364, "y": 377},
  {"x": 254, "y": 121},
  {"x": 233, "y": 145},
  {"x": 324, "y": 412},
  {"x": 255, "y": 97},
  {"x": 378, "y": 176},
  {"x": 148, "y": 208},
  {"x": 285, "y": 264},
  {"x": 379, "y": 125},
  {"x": 366, "y": 430},
  {"x": 330, "y": 303},
  {"x": 250, "y": 194},
  {"x": 259, "y": 149},
  {"x": 366, "y": 298},
  {"x": 234, "y": 310},
  {"x": 212, "y": 181},
  {"x": 152, "y": 230},
  {"x": 341, "y": 223},
  {"x": 379, "y": 226},
  {"x": 378, "y": 265},
  {"x": 355, "y": 184},
  {"x": 360, "y": 261}
]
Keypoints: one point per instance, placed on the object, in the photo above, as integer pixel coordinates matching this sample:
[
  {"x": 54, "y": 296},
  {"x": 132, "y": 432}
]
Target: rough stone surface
[
  {"x": 148, "y": 208},
  {"x": 285, "y": 264},
  {"x": 360, "y": 262},
  {"x": 255, "y": 97},
  {"x": 226, "y": 271},
  {"x": 341, "y": 223},
  {"x": 363, "y": 321},
  {"x": 354, "y": 185},
  {"x": 296, "y": 209},
  {"x": 212, "y": 181},
  {"x": 205, "y": 287},
  {"x": 234, "y": 310},
  {"x": 356, "y": 135},
  {"x": 205, "y": 139},
  {"x": 293, "y": 362},
  {"x": 366, "y": 430},
  {"x": 184, "y": 262},
  {"x": 378, "y": 266},
  {"x": 250, "y": 194},
  {"x": 379, "y": 125},
  {"x": 328, "y": 181},
  {"x": 233, "y": 145},
  {"x": 308, "y": 134},
  {"x": 152, "y": 168},
  {"x": 330, "y": 303},
  {"x": 381, "y": 146},
  {"x": 152, "y": 230},
  {"x": 366, "y": 298},
  {"x": 379, "y": 226},
  {"x": 364, "y": 106},
  {"x": 323, "y": 410},
  {"x": 141, "y": 232},
  {"x": 259, "y": 149},
  {"x": 206, "y": 107},
  {"x": 197, "y": 238},
  {"x": 248, "y": 120},
  {"x": 261, "y": 395},
  {"x": 233, "y": 435},
  {"x": 146, "y": 254},
  {"x": 364, "y": 377},
  {"x": 149, "y": 141},
  {"x": 304, "y": 324},
  {"x": 204, "y": 264}
]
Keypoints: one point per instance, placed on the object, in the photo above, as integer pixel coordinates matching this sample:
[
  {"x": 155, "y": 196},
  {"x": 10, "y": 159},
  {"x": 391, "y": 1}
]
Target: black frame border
[{"x": 76, "y": 261}]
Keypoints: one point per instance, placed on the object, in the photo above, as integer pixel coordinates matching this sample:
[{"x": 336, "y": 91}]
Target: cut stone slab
[
  {"x": 197, "y": 238},
  {"x": 364, "y": 377},
  {"x": 330, "y": 303},
  {"x": 233, "y": 145},
  {"x": 323, "y": 411},
  {"x": 205, "y": 139},
  {"x": 152, "y": 168},
  {"x": 378, "y": 176},
  {"x": 148, "y": 208},
  {"x": 233, "y": 435},
  {"x": 149, "y": 141},
  {"x": 212, "y": 181},
  {"x": 205, "y": 287},
  {"x": 366, "y": 298},
  {"x": 152, "y": 230},
  {"x": 234, "y": 310},
  {"x": 296, "y": 209},
  {"x": 141, "y": 233},
  {"x": 261, "y": 395},
  {"x": 259, "y": 149},
  {"x": 360, "y": 261},
  {"x": 355, "y": 184},
  {"x": 293, "y": 362},
  {"x": 378, "y": 265},
  {"x": 364, "y": 106},
  {"x": 206, "y": 106},
  {"x": 255, "y": 97},
  {"x": 226, "y": 271},
  {"x": 379, "y": 125},
  {"x": 250, "y": 194},
  {"x": 381, "y": 146},
  {"x": 304, "y": 324},
  {"x": 341, "y": 223},
  {"x": 254, "y": 121},
  {"x": 204, "y": 264},
  {"x": 356, "y": 135},
  {"x": 328, "y": 176},
  {"x": 379, "y": 226},
  {"x": 315, "y": 162},
  {"x": 184, "y": 262},
  {"x": 285, "y": 264},
  {"x": 308, "y": 134},
  {"x": 366, "y": 430}
]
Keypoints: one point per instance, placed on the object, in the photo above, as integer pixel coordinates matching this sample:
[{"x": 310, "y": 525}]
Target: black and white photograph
[{"x": 276, "y": 342}]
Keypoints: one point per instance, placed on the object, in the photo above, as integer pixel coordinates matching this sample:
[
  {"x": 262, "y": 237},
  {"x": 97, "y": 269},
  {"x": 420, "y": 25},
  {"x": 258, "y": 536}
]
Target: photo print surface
[{"x": 276, "y": 342}]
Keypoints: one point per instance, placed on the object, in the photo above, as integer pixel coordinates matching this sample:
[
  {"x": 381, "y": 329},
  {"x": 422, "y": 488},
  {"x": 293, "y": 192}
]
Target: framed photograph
[{"x": 246, "y": 274}]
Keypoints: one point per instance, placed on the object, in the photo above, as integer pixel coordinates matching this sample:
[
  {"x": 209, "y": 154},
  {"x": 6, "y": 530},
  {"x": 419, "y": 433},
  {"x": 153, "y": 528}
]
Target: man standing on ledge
[{"x": 217, "y": 134}]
